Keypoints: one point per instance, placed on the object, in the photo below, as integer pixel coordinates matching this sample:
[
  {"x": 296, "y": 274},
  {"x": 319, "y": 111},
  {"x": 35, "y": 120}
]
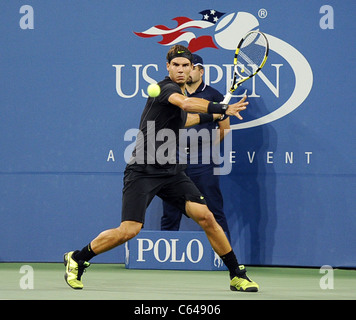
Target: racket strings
[{"x": 252, "y": 54}]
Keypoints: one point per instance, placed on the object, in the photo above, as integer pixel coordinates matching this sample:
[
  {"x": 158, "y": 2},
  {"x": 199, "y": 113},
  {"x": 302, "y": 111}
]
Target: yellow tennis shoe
[
  {"x": 74, "y": 270},
  {"x": 242, "y": 282}
]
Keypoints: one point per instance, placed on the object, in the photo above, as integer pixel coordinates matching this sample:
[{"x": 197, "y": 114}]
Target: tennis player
[
  {"x": 199, "y": 171},
  {"x": 143, "y": 179}
]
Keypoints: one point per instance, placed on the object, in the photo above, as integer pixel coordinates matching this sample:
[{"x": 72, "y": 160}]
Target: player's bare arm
[
  {"x": 194, "y": 118},
  {"x": 201, "y": 105},
  {"x": 224, "y": 129}
]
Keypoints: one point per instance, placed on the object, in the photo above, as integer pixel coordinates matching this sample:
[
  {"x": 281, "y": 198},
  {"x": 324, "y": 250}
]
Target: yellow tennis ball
[{"x": 153, "y": 90}]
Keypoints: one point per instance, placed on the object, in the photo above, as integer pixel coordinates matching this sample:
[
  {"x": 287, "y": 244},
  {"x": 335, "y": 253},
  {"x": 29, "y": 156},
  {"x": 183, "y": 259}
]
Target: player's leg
[
  {"x": 112, "y": 238},
  {"x": 137, "y": 195},
  {"x": 208, "y": 184},
  {"x": 219, "y": 242},
  {"x": 204, "y": 217},
  {"x": 181, "y": 192},
  {"x": 76, "y": 261}
]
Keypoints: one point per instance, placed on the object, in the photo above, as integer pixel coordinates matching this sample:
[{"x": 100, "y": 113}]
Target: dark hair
[{"x": 179, "y": 51}]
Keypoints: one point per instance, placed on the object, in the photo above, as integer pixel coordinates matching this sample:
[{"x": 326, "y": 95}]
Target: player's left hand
[{"x": 236, "y": 108}]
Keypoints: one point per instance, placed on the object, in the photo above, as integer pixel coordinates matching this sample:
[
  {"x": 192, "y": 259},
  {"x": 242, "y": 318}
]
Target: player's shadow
[{"x": 249, "y": 190}]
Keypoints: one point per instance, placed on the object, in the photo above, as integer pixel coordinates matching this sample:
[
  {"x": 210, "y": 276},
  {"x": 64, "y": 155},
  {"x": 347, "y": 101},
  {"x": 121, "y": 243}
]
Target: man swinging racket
[{"x": 144, "y": 178}]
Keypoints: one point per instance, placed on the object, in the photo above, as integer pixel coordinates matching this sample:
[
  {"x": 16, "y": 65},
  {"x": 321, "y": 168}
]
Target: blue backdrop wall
[{"x": 73, "y": 79}]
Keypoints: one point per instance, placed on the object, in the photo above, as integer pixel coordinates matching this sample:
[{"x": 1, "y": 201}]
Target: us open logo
[{"x": 219, "y": 30}]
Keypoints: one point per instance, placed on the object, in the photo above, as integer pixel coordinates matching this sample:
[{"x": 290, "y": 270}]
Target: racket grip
[{"x": 227, "y": 98}]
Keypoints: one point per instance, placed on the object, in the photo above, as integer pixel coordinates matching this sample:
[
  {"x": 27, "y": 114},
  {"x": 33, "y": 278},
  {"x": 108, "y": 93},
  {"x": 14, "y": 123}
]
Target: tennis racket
[{"x": 250, "y": 56}]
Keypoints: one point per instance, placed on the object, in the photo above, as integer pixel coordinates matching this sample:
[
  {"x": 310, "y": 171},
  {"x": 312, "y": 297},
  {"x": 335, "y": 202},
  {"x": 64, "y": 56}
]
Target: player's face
[{"x": 179, "y": 70}]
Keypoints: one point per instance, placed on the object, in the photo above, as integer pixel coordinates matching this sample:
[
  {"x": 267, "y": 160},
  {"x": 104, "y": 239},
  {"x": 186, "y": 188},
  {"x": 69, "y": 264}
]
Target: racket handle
[{"x": 227, "y": 98}]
